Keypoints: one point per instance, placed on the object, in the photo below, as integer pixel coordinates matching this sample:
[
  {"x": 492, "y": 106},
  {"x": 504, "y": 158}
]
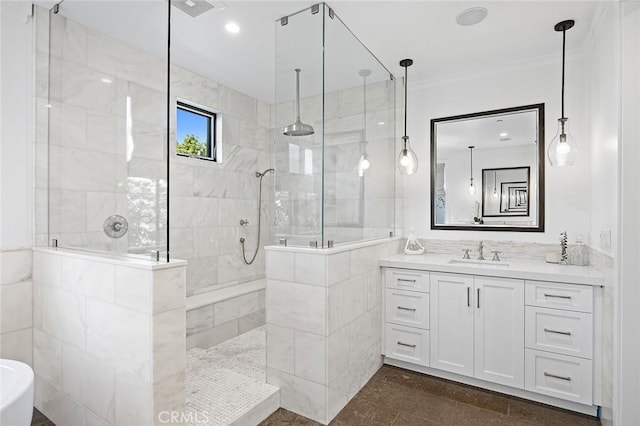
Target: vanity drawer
[
  {"x": 407, "y": 344},
  {"x": 408, "y": 308},
  {"x": 563, "y": 332},
  {"x": 559, "y": 296},
  {"x": 560, "y": 376},
  {"x": 407, "y": 279}
]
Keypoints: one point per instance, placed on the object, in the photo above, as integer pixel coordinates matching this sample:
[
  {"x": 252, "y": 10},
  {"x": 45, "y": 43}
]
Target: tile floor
[
  {"x": 399, "y": 397},
  {"x": 40, "y": 419},
  {"x": 227, "y": 380}
]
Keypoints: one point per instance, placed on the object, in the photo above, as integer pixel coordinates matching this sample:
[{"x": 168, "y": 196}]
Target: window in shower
[{"x": 196, "y": 130}]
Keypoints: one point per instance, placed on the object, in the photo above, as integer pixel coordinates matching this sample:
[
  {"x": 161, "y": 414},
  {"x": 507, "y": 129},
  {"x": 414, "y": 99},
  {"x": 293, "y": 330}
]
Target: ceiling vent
[{"x": 195, "y": 8}]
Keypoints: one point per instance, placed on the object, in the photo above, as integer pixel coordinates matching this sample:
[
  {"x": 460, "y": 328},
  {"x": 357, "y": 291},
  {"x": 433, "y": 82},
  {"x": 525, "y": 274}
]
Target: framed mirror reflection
[{"x": 487, "y": 170}]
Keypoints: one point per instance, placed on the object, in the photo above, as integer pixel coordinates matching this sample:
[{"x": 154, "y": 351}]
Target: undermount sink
[{"x": 484, "y": 263}]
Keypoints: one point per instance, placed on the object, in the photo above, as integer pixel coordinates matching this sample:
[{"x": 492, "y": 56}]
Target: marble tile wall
[
  {"x": 214, "y": 323},
  {"x": 508, "y": 249},
  {"x": 323, "y": 325},
  {"x": 209, "y": 199},
  {"x": 16, "y": 303},
  {"x": 108, "y": 338}
]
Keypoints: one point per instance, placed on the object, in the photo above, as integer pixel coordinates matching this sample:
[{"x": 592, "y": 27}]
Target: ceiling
[
  {"x": 426, "y": 31},
  {"x": 498, "y": 132}
]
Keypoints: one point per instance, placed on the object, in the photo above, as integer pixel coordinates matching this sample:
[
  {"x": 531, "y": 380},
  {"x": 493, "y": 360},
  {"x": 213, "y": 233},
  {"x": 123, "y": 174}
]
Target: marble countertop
[{"x": 521, "y": 269}]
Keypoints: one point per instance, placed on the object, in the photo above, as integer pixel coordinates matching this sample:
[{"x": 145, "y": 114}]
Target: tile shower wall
[
  {"x": 109, "y": 343},
  {"x": 16, "y": 304},
  {"x": 323, "y": 325},
  {"x": 209, "y": 199},
  {"x": 214, "y": 323}
]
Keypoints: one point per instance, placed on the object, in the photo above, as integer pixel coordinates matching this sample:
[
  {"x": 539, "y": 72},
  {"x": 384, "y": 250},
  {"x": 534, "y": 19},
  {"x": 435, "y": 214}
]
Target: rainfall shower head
[{"x": 298, "y": 128}]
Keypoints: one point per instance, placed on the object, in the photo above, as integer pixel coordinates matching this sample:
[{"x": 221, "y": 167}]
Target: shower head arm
[{"x": 298, "y": 94}]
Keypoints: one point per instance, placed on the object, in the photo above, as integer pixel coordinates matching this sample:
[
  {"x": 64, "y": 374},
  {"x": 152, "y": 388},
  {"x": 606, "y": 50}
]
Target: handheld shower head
[{"x": 259, "y": 175}]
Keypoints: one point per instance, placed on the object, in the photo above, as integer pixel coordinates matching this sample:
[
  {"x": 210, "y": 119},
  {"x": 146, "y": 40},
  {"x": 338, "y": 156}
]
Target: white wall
[
  {"x": 567, "y": 201},
  {"x": 16, "y": 125},
  {"x": 626, "y": 407},
  {"x": 16, "y": 193},
  {"x": 604, "y": 109}
]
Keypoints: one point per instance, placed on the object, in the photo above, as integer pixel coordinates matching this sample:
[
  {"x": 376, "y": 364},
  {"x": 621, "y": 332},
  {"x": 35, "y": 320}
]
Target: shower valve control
[{"x": 244, "y": 222}]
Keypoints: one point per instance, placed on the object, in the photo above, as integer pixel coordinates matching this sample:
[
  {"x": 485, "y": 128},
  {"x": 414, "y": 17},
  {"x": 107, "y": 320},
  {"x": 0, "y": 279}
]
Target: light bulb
[
  {"x": 407, "y": 160},
  {"x": 562, "y": 152},
  {"x": 563, "y": 149},
  {"x": 472, "y": 189},
  {"x": 495, "y": 194},
  {"x": 364, "y": 162}
]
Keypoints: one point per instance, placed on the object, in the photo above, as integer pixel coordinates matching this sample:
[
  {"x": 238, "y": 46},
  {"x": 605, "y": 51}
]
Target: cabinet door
[
  {"x": 499, "y": 330},
  {"x": 451, "y": 323}
]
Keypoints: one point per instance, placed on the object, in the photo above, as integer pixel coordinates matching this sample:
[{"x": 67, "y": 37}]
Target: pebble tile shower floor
[{"x": 227, "y": 380}]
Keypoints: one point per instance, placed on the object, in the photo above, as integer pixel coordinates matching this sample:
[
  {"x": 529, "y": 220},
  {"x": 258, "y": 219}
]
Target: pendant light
[
  {"x": 495, "y": 189},
  {"x": 472, "y": 188},
  {"x": 563, "y": 148},
  {"x": 363, "y": 162},
  {"x": 407, "y": 160},
  {"x": 298, "y": 128}
]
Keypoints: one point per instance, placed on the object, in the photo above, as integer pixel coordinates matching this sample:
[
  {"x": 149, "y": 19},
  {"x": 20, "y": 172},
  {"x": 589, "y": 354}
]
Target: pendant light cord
[
  {"x": 405, "y": 103},
  {"x": 564, "y": 34},
  {"x": 364, "y": 116}
]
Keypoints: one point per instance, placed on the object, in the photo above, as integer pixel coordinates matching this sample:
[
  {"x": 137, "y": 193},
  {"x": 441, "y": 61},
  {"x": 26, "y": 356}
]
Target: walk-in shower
[
  {"x": 322, "y": 195},
  {"x": 244, "y": 222}
]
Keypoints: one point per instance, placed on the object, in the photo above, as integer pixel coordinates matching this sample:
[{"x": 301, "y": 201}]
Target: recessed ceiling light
[
  {"x": 380, "y": 123},
  {"x": 471, "y": 16},
  {"x": 504, "y": 134},
  {"x": 189, "y": 3},
  {"x": 106, "y": 80},
  {"x": 232, "y": 27}
]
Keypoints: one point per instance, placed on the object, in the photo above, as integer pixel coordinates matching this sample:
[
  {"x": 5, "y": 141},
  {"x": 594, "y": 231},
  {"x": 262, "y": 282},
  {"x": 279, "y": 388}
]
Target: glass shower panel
[
  {"x": 107, "y": 143},
  {"x": 359, "y": 118},
  {"x": 299, "y": 159},
  {"x": 337, "y": 185}
]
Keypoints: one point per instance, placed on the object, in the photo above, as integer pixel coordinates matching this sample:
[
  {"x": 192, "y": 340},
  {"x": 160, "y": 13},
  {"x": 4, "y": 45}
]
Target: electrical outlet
[{"x": 605, "y": 241}]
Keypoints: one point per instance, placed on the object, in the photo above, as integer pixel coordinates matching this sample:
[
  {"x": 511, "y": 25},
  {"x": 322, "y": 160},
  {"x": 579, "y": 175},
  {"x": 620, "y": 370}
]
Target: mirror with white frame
[{"x": 487, "y": 170}]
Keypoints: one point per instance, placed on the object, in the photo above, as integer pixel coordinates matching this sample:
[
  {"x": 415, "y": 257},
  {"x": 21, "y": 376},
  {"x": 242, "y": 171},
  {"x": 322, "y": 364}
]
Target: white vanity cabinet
[
  {"x": 407, "y": 316},
  {"x": 477, "y": 327},
  {"x": 529, "y": 330},
  {"x": 559, "y": 340}
]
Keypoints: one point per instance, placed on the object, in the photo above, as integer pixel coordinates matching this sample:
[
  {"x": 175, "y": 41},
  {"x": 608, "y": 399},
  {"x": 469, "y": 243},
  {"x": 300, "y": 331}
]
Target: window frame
[{"x": 213, "y": 131}]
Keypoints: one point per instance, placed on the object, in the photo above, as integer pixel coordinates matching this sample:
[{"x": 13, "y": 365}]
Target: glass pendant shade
[
  {"x": 472, "y": 188},
  {"x": 563, "y": 149},
  {"x": 407, "y": 159}
]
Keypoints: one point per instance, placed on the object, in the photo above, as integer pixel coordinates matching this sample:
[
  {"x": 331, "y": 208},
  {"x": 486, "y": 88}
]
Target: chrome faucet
[{"x": 480, "y": 249}]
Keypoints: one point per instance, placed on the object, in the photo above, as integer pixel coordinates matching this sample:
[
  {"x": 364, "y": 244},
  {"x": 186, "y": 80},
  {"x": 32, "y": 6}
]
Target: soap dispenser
[
  {"x": 413, "y": 246},
  {"x": 579, "y": 254}
]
